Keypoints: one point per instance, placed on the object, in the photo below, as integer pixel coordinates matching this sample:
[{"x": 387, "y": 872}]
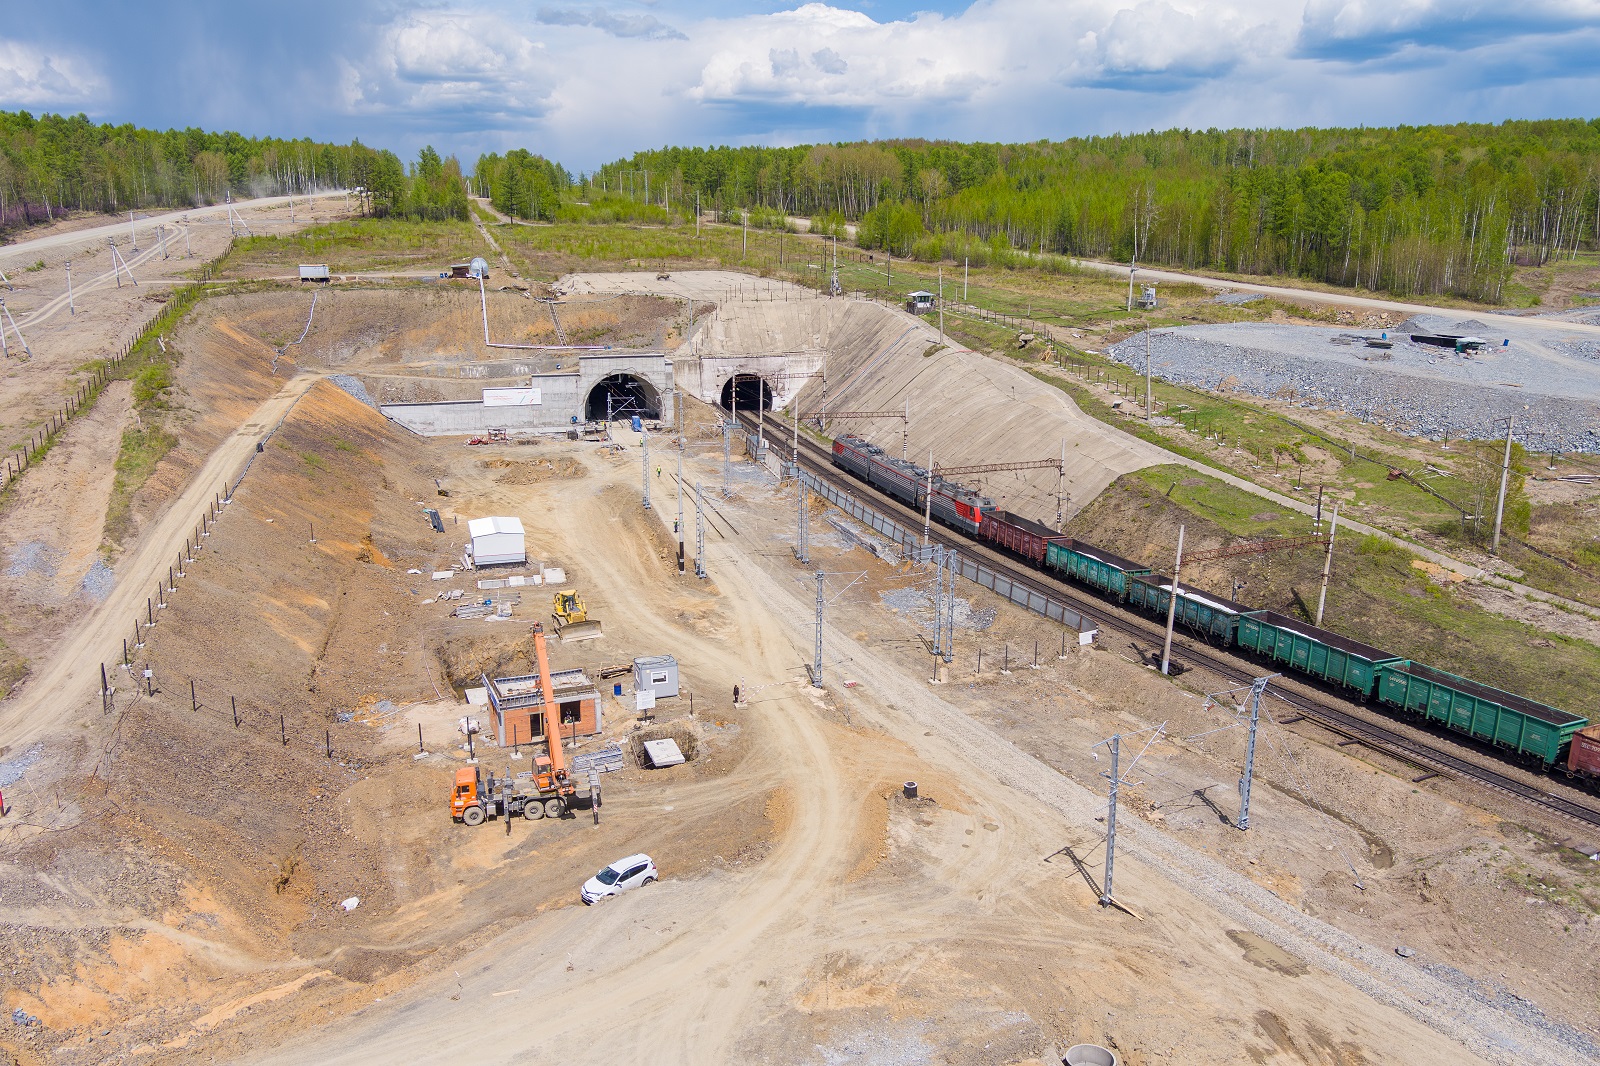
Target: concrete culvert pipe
[
  {"x": 910, "y": 790},
  {"x": 1090, "y": 1055}
]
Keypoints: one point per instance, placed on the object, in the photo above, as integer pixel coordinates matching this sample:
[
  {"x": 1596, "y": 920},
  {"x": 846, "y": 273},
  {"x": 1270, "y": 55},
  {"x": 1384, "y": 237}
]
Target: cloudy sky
[{"x": 585, "y": 82}]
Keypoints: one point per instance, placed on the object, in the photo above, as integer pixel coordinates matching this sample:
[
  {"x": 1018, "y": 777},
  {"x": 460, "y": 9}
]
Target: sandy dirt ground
[
  {"x": 107, "y": 313},
  {"x": 809, "y": 912},
  {"x": 175, "y": 864}
]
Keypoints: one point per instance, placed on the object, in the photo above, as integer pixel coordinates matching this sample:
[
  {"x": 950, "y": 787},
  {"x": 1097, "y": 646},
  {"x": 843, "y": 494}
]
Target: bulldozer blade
[{"x": 580, "y": 631}]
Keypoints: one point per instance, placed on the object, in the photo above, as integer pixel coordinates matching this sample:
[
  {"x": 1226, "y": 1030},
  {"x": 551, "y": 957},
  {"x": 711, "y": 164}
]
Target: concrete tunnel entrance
[
  {"x": 751, "y": 390},
  {"x": 622, "y": 396}
]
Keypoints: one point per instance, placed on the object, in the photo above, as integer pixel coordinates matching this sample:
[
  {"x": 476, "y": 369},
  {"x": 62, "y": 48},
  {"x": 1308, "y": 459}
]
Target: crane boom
[{"x": 552, "y": 709}]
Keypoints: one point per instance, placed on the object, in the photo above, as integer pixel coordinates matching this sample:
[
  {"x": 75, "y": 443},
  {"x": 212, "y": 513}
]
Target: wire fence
[{"x": 23, "y": 457}]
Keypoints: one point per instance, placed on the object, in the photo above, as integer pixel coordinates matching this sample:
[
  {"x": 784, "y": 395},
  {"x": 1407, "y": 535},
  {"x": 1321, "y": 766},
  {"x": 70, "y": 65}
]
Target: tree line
[
  {"x": 54, "y": 163},
  {"x": 1412, "y": 210}
]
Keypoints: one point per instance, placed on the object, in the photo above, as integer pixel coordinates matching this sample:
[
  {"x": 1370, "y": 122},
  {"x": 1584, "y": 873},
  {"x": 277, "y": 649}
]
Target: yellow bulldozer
[{"x": 572, "y": 617}]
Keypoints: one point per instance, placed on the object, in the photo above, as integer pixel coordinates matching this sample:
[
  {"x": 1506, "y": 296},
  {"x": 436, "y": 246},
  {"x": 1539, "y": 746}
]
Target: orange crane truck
[{"x": 544, "y": 791}]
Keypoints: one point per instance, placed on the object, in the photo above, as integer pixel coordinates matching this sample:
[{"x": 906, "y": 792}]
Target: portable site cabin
[
  {"x": 496, "y": 541},
  {"x": 919, "y": 302},
  {"x": 657, "y": 674}
]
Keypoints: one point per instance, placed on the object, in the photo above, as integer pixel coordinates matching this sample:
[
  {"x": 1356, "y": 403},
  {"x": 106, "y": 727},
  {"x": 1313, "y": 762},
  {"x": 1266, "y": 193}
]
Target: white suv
[{"x": 620, "y": 876}]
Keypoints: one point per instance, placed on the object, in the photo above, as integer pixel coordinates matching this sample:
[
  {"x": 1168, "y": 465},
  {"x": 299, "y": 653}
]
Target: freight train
[{"x": 1534, "y": 732}]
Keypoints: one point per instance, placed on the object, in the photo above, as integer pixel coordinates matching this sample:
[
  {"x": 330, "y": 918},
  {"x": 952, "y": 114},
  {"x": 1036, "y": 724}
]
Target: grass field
[
  {"x": 1293, "y": 453},
  {"x": 366, "y": 244},
  {"x": 1376, "y": 594}
]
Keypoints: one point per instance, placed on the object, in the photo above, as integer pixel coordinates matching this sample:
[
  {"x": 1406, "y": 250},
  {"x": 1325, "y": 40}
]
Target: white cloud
[
  {"x": 822, "y": 55},
  {"x": 586, "y": 80},
  {"x": 1360, "y": 29},
  {"x": 433, "y": 65},
  {"x": 1156, "y": 45},
  {"x": 617, "y": 25},
  {"x": 31, "y": 76}
]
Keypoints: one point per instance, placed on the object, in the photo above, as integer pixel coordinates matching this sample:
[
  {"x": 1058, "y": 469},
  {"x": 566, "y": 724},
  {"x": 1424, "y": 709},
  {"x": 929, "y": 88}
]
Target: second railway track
[{"x": 1306, "y": 702}]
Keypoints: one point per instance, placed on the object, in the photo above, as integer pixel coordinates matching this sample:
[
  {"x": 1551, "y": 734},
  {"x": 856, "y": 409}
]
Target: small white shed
[
  {"x": 496, "y": 541},
  {"x": 656, "y": 674}
]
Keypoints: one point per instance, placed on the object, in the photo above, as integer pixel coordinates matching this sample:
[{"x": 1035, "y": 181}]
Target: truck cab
[{"x": 465, "y": 795}]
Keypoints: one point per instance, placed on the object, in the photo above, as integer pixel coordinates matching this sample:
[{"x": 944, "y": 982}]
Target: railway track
[{"x": 1304, "y": 701}]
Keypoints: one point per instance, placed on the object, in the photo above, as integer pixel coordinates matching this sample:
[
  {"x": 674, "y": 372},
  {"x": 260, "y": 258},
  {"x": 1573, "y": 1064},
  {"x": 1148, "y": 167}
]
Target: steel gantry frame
[
  {"x": 1058, "y": 465},
  {"x": 822, "y": 415}
]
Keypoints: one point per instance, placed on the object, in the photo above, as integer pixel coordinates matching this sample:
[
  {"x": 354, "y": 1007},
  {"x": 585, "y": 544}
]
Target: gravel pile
[
  {"x": 917, "y": 605},
  {"x": 99, "y": 581},
  {"x": 354, "y": 387},
  {"x": 34, "y": 557},
  {"x": 1551, "y": 385},
  {"x": 11, "y": 771}
]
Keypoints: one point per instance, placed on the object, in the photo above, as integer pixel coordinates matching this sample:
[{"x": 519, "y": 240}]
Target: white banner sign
[{"x": 512, "y": 398}]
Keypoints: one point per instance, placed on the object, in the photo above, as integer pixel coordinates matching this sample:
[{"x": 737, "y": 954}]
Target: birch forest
[{"x": 1413, "y": 211}]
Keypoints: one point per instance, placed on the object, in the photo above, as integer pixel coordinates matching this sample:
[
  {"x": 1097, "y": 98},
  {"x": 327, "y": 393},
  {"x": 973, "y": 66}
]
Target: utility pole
[
  {"x": 727, "y": 460},
  {"x": 699, "y": 533},
  {"x": 802, "y": 520},
  {"x": 937, "y": 559},
  {"x": 161, "y": 233},
  {"x": 679, "y": 527},
  {"x": 795, "y": 439},
  {"x": 941, "y": 303},
  {"x": 70, "y": 305},
  {"x": 644, "y": 456},
  {"x": 816, "y": 661},
  {"x": 744, "y": 228},
  {"x": 1111, "y": 819},
  {"x": 14, "y": 329},
  {"x": 696, "y": 218},
  {"x": 1061, "y": 488},
  {"x": 1172, "y": 605},
  {"x": 1327, "y": 564},
  {"x": 1116, "y": 776},
  {"x": 1500, "y": 504},
  {"x": 963, "y": 279},
  {"x": 952, "y": 560},
  {"x": 927, "y": 508},
  {"x": 133, "y": 233},
  {"x": 1256, "y": 689}
]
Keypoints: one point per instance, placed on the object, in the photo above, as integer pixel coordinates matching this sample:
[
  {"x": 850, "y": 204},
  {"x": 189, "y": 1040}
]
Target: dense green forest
[
  {"x": 1414, "y": 210},
  {"x": 54, "y": 163}
]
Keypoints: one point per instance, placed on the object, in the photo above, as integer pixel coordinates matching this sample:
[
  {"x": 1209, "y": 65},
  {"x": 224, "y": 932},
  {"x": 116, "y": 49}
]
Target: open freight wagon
[
  {"x": 1339, "y": 660},
  {"x": 1211, "y": 616},
  {"x": 1502, "y": 718},
  {"x": 1095, "y": 568}
]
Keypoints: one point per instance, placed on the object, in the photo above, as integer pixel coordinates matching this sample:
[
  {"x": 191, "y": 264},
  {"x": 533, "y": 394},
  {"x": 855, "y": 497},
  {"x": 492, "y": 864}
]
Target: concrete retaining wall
[{"x": 562, "y": 396}]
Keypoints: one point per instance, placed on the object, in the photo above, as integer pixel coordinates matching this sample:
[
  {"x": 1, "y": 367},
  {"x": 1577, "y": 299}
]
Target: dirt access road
[
  {"x": 1146, "y": 274},
  {"x": 73, "y": 673},
  {"x": 964, "y": 947},
  {"x": 149, "y": 223}
]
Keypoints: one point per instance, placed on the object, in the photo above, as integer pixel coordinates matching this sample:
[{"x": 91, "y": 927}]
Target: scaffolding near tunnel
[
  {"x": 622, "y": 395},
  {"x": 746, "y": 392}
]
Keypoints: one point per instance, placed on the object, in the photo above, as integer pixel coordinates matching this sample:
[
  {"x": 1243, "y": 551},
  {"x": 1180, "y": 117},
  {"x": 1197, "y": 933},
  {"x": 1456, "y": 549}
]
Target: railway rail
[{"x": 1435, "y": 761}]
